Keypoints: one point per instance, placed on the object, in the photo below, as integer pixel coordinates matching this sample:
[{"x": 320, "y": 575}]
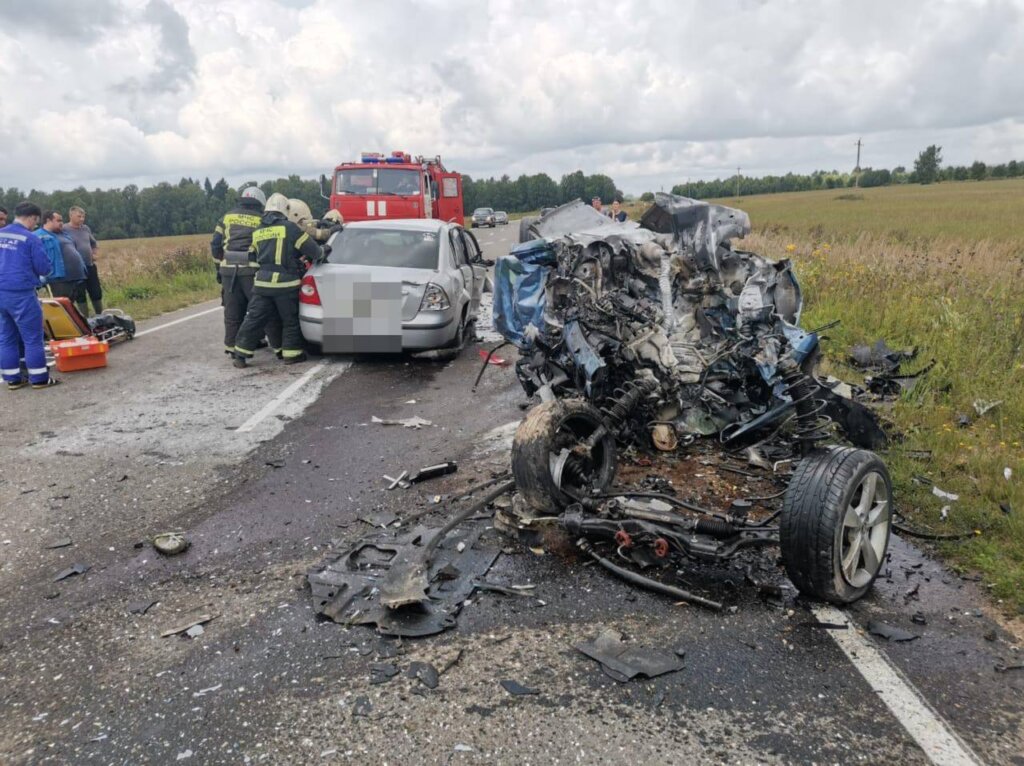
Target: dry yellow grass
[{"x": 150, "y": 276}]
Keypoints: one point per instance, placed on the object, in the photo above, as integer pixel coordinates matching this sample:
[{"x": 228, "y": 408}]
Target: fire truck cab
[{"x": 396, "y": 186}]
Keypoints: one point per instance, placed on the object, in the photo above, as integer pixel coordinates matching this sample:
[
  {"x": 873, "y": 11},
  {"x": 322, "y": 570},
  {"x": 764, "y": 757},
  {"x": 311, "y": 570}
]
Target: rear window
[
  {"x": 385, "y": 247},
  {"x": 380, "y": 180}
]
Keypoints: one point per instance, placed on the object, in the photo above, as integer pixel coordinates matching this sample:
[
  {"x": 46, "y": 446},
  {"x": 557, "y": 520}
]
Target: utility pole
[
  {"x": 856, "y": 169},
  {"x": 737, "y": 181}
]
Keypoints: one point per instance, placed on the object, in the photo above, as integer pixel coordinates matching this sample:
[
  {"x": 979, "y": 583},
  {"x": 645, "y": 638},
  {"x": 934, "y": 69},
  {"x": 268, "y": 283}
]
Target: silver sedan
[{"x": 393, "y": 285}]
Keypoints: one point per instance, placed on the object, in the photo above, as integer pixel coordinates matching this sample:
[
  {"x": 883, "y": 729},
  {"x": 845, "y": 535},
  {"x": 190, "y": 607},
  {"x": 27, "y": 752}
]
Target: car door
[
  {"x": 479, "y": 271},
  {"x": 463, "y": 272}
]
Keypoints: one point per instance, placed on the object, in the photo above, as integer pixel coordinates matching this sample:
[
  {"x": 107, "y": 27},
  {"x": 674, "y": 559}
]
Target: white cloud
[{"x": 649, "y": 92}]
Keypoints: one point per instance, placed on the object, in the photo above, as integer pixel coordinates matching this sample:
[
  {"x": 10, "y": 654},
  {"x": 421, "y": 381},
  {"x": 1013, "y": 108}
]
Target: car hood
[{"x": 330, "y": 276}]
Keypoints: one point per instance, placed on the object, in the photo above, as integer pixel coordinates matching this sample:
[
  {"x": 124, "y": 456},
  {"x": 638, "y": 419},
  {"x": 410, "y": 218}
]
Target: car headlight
[{"x": 434, "y": 298}]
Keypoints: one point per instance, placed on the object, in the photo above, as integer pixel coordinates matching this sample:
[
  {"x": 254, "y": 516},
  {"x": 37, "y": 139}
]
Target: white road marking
[
  {"x": 940, "y": 743},
  {"x": 177, "y": 321},
  {"x": 278, "y": 400}
]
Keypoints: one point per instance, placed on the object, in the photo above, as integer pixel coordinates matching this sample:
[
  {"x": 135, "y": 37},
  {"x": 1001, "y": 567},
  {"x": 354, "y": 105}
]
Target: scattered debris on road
[
  {"x": 623, "y": 662},
  {"x": 141, "y": 607},
  {"x": 74, "y": 569},
  {"x": 413, "y": 422},
  {"x": 61, "y": 542},
  {"x": 187, "y": 623},
  {"x": 171, "y": 543},
  {"x": 383, "y": 519},
  {"x": 890, "y": 632},
  {"x": 516, "y": 689},
  {"x": 433, "y": 472}
]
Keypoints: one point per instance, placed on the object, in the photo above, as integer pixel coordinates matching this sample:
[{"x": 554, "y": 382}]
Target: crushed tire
[
  {"x": 542, "y": 432},
  {"x": 524, "y": 228},
  {"x": 813, "y": 531}
]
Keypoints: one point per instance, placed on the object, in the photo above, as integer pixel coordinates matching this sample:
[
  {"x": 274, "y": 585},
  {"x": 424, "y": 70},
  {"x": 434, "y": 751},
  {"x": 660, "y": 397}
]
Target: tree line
[
  {"x": 187, "y": 207},
  {"x": 927, "y": 169},
  {"x": 194, "y": 207},
  {"x": 536, "y": 191}
]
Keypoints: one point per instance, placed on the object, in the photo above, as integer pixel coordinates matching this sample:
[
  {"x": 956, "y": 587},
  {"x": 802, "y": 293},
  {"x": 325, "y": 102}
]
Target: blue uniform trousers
[{"x": 21, "y": 322}]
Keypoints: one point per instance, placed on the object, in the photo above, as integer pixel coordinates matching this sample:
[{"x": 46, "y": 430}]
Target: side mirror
[{"x": 323, "y": 183}]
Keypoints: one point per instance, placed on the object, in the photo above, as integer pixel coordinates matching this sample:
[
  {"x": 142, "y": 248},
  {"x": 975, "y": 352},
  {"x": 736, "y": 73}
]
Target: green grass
[
  {"x": 970, "y": 211},
  {"x": 941, "y": 268}
]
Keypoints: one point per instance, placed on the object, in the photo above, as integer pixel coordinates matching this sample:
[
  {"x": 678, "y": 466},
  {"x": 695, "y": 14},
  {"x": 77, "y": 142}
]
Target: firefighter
[
  {"x": 23, "y": 261},
  {"x": 282, "y": 250},
  {"x": 320, "y": 230},
  {"x": 236, "y": 266}
]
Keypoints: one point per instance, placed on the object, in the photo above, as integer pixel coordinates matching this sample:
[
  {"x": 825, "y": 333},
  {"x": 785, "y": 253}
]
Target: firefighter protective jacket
[
  {"x": 281, "y": 249},
  {"x": 233, "y": 237}
]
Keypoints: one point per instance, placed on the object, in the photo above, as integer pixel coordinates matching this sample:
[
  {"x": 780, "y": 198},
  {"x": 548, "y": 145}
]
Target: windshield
[
  {"x": 483, "y": 211},
  {"x": 385, "y": 247},
  {"x": 379, "y": 180}
]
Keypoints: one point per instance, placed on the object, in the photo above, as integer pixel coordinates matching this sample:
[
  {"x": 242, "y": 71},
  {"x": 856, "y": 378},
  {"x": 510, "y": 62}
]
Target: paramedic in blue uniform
[{"x": 23, "y": 264}]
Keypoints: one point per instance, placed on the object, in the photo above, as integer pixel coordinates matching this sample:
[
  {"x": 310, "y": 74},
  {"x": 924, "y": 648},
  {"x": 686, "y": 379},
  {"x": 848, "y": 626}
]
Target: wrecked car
[{"x": 649, "y": 336}]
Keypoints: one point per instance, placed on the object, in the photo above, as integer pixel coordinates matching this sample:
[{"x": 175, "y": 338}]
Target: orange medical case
[{"x": 79, "y": 354}]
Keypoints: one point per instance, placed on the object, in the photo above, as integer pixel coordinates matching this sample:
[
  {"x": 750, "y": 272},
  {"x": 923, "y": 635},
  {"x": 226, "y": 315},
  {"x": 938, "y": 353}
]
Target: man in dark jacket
[
  {"x": 282, "y": 251},
  {"x": 236, "y": 266}
]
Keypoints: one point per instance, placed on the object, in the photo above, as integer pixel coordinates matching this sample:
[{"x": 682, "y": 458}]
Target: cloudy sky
[{"x": 107, "y": 92}]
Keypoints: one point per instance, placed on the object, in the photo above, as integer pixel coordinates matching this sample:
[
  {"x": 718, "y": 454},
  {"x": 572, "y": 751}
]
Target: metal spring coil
[
  {"x": 811, "y": 424},
  {"x": 623, "y": 400}
]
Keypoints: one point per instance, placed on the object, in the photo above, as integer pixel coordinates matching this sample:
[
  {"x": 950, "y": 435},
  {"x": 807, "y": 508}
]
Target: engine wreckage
[
  {"x": 644, "y": 336},
  {"x": 651, "y": 335}
]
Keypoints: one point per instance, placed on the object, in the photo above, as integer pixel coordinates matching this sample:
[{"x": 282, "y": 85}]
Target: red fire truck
[{"x": 396, "y": 186}]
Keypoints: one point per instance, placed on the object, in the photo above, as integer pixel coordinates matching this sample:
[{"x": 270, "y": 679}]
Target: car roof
[{"x": 400, "y": 224}]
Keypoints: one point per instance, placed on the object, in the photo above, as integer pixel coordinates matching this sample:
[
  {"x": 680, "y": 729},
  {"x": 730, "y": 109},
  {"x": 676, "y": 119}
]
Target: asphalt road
[{"x": 171, "y": 437}]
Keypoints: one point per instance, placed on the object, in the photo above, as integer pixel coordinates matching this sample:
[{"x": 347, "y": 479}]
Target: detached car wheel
[
  {"x": 549, "y": 464},
  {"x": 836, "y": 520}
]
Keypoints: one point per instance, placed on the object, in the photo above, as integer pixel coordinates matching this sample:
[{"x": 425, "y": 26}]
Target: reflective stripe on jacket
[
  {"x": 232, "y": 237},
  {"x": 280, "y": 248}
]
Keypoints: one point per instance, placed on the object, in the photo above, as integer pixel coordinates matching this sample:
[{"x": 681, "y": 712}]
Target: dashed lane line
[
  {"x": 940, "y": 743},
  {"x": 177, "y": 321},
  {"x": 268, "y": 408}
]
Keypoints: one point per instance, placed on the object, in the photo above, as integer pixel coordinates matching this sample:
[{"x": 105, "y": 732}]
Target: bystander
[
  {"x": 72, "y": 284},
  {"x": 85, "y": 243}
]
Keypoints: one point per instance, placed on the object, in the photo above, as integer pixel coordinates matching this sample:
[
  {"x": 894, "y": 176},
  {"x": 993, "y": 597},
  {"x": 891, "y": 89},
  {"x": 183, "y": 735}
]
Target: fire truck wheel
[
  {"x": 549, "y": 468},
  {"x": 836, "y": 518}
]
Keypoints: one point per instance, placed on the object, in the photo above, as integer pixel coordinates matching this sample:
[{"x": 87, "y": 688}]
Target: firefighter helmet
[
  {"x": 278, "y": 203},
  {"x": 333, "y": 217},
  {"x": 299, "y": 213},
  {"x": 254, "y": 192}
]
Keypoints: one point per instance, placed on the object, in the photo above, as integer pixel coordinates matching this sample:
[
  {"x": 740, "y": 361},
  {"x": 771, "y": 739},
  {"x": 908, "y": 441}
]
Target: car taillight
[
  {"x": 308, "y": 292},
  {"x": 434, "y": 298}
]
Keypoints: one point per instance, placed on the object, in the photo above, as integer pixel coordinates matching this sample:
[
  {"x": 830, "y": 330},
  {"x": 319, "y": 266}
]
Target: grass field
[
  {"x": 146, "y": 277},
  {"x": 941, "y": 268}
]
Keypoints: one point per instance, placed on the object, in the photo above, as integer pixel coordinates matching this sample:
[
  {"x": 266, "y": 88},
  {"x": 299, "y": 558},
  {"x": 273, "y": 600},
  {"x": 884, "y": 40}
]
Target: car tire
[
  {"x": 524, "y": 228},
  {"x": 313, "y": 349},
  {"x": 459, "y": 341},
  {"x": 836, "y": 516},
  {"x": 539, "y": 451}
]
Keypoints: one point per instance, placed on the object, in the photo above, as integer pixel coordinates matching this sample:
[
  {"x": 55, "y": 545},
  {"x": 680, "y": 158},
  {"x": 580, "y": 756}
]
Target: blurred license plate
[{"x": 362, "y": 316}]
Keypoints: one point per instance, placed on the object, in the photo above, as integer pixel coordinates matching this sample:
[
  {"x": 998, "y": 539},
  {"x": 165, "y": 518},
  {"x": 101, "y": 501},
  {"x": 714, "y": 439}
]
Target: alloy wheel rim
[{"x": 865, "y": 530}]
